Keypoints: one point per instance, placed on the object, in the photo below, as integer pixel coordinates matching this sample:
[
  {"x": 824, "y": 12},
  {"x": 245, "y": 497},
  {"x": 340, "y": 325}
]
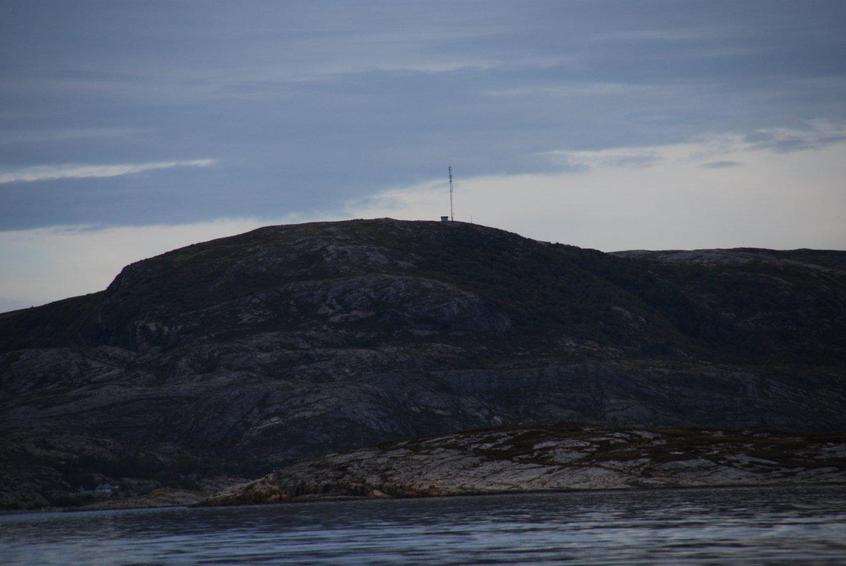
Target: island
[{"x": 391, "y": 357}]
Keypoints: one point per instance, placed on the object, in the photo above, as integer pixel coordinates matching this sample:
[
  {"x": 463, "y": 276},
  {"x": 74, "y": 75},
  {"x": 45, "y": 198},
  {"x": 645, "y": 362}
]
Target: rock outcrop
[
  {"x": 554, "y": 458},
  {"x": 237, "y": 356}
]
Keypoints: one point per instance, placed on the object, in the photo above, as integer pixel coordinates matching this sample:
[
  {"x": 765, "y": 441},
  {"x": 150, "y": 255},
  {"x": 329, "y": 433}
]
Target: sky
[{"x": 131, "y": 128}]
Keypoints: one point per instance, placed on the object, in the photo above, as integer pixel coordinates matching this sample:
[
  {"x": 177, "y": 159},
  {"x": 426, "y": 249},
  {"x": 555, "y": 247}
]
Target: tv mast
[{"x": 451, "y": 216}]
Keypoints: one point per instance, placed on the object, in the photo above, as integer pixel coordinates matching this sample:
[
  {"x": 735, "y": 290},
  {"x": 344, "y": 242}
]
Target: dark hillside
[
  {"x": 756, "y": 304},
  {"x": 239, "y": 354}
]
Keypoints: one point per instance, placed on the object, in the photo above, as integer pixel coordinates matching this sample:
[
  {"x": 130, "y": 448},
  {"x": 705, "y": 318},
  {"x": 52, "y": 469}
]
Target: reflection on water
[{"x": 670, "y": 526}]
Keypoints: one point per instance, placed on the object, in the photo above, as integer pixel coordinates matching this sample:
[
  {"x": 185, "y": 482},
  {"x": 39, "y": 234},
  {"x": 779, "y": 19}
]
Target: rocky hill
[
  {"x": 552, "y": 459},
  {"x": 238, "y": 355}
]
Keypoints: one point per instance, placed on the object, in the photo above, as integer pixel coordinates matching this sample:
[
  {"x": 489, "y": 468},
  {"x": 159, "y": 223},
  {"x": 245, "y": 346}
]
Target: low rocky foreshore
[{"x": 554, "y": 458}]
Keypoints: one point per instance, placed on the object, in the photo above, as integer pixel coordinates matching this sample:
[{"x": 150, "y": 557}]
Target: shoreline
[
  {"x": 522, "y": 459},
  {"x": 353, "y": 498},
  {"x": 651, "y": 489},
  {"x": 557, "y": 458}
]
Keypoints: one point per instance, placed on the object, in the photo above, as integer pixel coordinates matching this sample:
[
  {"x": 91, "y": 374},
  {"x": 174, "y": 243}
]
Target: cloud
[
  {"x": 710, "y": 152},
  {"x": 57, "y": 135},
  {"x": 785, "y": 141},
  {"x": 818, "y": 134},
  {"x": 720, "y": 164},
  {"x": 79, "y": 171},
  {"x": 614, "y": 157},
  {"x": 663, "y": 34}
]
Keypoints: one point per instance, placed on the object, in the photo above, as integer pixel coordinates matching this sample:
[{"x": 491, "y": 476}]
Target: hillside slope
[{"x": 244, "y": 353}]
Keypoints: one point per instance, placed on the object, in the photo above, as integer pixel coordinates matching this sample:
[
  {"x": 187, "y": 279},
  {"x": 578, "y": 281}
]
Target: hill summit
[{"x": 240, "y": 354}]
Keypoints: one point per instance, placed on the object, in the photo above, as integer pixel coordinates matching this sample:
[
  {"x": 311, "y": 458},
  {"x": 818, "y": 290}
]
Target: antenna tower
[{"x": 451, "y": 216}]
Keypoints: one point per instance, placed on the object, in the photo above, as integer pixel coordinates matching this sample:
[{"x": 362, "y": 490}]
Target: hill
[
  {"x": 557, "y": 458},
  {"x": 238, "y": 355}
]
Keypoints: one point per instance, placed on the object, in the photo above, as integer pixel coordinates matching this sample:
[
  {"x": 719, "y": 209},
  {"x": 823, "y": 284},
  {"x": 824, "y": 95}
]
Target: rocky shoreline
[
  {"x": 124, "y": 495},
  {"x": 560, "y": 458}
]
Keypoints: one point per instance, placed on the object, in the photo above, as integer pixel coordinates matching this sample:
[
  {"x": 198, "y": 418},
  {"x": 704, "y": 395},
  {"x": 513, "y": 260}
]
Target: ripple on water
[{"x": 666, "y": 526}]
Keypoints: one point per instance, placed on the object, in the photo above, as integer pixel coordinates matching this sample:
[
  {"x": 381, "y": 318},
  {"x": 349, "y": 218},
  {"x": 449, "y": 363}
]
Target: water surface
[{"x": 667, "y": 526}]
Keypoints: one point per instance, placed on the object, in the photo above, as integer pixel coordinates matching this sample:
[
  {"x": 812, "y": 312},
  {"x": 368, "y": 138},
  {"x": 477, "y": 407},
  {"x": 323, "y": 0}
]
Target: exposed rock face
[
  {"x": 238, "y": 355},
  {"x": 554, "y": 458}
]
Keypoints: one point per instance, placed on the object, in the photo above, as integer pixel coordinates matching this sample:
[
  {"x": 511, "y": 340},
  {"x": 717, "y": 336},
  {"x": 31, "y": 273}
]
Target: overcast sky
[{"x": 130, "y": 128}]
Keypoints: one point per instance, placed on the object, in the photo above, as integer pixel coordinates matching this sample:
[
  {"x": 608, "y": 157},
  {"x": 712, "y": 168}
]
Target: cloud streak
[{"x": 81, "y": 171}]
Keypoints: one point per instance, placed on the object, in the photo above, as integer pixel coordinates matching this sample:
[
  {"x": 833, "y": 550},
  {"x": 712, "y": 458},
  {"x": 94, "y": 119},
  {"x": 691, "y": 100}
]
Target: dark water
[{"x": 672, "y": 527}]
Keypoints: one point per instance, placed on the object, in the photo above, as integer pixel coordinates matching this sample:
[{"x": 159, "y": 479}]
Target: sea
[{"x": 670, "y": 526}]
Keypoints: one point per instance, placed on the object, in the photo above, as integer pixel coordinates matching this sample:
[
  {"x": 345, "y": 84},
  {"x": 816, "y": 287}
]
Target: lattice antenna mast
[{"x": 451, "y": 216}]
